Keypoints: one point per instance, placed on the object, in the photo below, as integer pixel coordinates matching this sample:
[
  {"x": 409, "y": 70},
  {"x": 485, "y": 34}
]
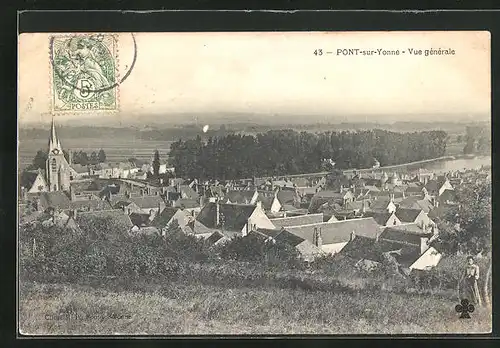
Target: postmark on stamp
[{"x": 84, "y": 74}]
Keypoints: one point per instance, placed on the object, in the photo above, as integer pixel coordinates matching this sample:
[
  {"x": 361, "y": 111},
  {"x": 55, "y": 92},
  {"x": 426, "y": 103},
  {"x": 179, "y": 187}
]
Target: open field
[
  {"x": 183, "y": 308},
  {"x": 117, "y": 149}
]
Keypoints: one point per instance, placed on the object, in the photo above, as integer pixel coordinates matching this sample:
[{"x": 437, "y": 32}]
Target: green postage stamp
[{"x": 84, "y": 72}]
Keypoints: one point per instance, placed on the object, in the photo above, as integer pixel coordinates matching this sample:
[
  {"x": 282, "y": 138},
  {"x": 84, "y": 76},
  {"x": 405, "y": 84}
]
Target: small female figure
[{"x": 469, "y": 282}]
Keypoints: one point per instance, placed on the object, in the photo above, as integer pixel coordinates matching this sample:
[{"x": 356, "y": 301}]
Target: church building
[{"x": 58, "y": 172}]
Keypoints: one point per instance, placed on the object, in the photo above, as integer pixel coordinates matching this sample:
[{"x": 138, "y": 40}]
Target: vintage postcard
[{"x": 262, "y": 183}]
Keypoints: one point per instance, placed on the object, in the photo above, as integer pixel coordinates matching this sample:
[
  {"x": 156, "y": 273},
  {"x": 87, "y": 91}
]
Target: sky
[{"x": 277, "y": 75}]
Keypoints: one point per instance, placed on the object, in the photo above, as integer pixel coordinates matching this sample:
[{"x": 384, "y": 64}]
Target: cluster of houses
[{"x": 367, "y": 216}]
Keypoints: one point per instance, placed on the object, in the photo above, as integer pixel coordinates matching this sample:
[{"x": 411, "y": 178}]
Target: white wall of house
[
  {"x": 39, "y": 185},
  {"x": 275, "y": 205},
  {"x": 333, "y": 219},
  {"x": 393, "y": 221},
  {"x": 258, "y": 219},
  {"x": 446, "y": 186},
  {"x": 391, "y": 207},
  {"x": 333, "y": 248},
  {"x": 430, "y": 258}
]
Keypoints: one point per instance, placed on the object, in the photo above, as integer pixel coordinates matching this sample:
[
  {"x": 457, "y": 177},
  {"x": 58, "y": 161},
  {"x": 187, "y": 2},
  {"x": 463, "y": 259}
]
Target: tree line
[
  {"x": 286, "y": 152},
  {"x": 477, "y": 140},
  {"x": 79, "y": 157}
]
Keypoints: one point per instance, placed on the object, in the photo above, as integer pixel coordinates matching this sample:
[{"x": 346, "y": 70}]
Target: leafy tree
[
  {"x": 286, "y": 152},
  {"x": 467, "y": 227},
  {"x": 469, "y": 146},
  {"x": 102, "y": 156},
  {"x": 93, "y": 158},
  {"x": 83, "y": 158},
  {"x": 39, "y": 160},
  {"x": 156, "y": 164},
  {"x": 66, "y": 155}
]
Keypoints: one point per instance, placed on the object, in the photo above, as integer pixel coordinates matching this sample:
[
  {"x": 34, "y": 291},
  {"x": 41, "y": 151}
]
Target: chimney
[
  {"x": 341, "y": 188},
  {"x": 178, "y": 187},
  {"x": 72, "y": 193},
  {"x": 201, "y": 201},
  {"x": 53, "y": 215},
  {"x": 404, "y": 194},
  {"x": 217, "y": 213},
  {"x": 315, "y": 236},
  {"x": 259, "y": 205},
  {"x": 353, "y": 235},
  {"x": 363, "y": 207},
  {"x": 70, "y": 157},
  {"x": 319, "y": 239},
  {"x": 73, "y": 214}
]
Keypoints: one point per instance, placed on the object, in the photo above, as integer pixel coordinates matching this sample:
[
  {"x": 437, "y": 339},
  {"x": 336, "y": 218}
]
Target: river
[{"x": 457, "y": 164}]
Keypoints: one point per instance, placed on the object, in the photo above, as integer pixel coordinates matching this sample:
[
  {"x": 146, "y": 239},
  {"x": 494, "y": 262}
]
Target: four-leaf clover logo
[{"x": 464, "y": 308}]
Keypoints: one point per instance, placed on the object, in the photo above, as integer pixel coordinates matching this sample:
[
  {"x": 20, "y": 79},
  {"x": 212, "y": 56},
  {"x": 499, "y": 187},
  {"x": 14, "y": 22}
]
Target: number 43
[{"x": 318, "y": 52}]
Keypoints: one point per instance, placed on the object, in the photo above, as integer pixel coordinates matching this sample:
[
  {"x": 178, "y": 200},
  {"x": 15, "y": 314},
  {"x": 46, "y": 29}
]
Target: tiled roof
[
  {"x": 28, "y": 178},
  {"x": 214, "y": 237},
  {"x": 288, "y": 238},
  {"x": 298, "y": 220},
  {"x": 266, "y": 202},
  {"x": 164, "y": 217},
  {"x": 186, "y": 203},
  {"x": 56, "y": 199},
  {"x": 370, "y": 249},
  {"x": 59, "y": 219},
  {"x": 89, "y": 204},
  {"x": 407, "y": 233},
  {"x": 407, "y": 215},
  {"x": 434, "y": 185},
  {"x": 188, "y": 192},
  {"x": 380, "y": 204},
  {"x": 270, "y": 232},
  {"x": 120, "y": 203},
  {"x": 239, "y": 196},
  {"x": 338, "y": 231},
  {"x": 286, "y": 197},
  {"x": 415, "y": 202},
  {"x": 172, "y": 196},
  {"x": 330, "y": 194},
  {"x": 147, "y": 202},
  {"x": 139, "y": 219},
  {"x": 235, "y": 216},
  {"x": 112, "y": 189},
  {"x": 380, "y": 217},
  {"x": 118, "y": 218},
  {"x": 289, "y": 207}
]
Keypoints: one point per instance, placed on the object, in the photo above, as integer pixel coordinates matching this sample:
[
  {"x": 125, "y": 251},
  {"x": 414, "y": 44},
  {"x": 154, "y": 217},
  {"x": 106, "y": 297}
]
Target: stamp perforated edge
[{"x": 52, "y": 110}]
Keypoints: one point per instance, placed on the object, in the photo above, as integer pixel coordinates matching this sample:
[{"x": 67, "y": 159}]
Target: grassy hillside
[{"x": 187, "y": 308}]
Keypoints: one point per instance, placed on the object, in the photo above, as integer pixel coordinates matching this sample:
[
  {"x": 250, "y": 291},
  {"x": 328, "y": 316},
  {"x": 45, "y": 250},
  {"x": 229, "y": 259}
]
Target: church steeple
[
  {"x": 58, "y": 171},
  {"x": 54, "y": 143}
]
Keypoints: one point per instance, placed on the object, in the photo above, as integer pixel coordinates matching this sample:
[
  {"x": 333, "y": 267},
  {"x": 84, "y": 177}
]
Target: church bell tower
[{"x": 57, "y": 168}]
